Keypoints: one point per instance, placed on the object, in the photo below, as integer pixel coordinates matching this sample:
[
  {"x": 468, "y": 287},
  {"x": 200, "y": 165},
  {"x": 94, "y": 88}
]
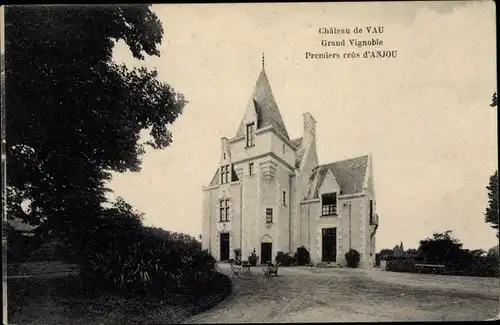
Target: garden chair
[
  {"x": 246, "y": 267},
  {"x": 271, "y": 269},
  {"x": 240, "y": 270},
  {"x": 236, "y": 269}
]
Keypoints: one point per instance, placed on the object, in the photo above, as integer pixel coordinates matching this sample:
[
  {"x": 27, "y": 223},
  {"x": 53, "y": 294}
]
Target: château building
[{"x": 269, "y": 193}]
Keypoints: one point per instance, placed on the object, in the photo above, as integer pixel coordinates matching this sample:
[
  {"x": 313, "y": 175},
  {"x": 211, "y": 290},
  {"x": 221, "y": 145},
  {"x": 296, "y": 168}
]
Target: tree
[
  {"x": 411, "y": 252},
  {"x": 441, "y": 248},
  {"x": 74, "y": 115},
  {"x": 491, "y": 214},
  {"x": 386, "y": 252}
]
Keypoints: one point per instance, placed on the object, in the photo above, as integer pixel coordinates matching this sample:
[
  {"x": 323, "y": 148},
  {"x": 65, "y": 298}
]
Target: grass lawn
[{"x": 54, "y": 295}]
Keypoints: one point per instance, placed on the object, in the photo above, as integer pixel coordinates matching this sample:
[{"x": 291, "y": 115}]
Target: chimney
[
  {"x": 223, "y": 148},
  {"x": 309, "y": 132}
]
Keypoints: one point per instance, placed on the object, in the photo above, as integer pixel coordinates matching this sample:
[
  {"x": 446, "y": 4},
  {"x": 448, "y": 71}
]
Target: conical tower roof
[{"x": 266, "y": 108}]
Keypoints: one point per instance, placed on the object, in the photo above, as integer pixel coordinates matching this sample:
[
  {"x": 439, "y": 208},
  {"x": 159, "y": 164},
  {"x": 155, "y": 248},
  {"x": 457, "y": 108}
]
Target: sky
[{"x": 424, "y": 116}]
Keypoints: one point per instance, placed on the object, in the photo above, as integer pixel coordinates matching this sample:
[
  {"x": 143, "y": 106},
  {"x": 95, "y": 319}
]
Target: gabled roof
[
  {"x": 266, "y": 108},
  {"x": 349, "y": 174},
  {"x": 215, "y": 179}
]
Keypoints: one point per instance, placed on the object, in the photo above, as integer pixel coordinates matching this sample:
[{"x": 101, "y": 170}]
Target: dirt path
[{"x": 301, "y": 295}]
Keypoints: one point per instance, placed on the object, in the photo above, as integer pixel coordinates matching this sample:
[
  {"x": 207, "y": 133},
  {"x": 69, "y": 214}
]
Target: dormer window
[
  {"x": 329, "y": 204},
  {"x": 224, "y": 155},
  {"x": 250, "y": 134},
  {"x": 224, "y": 174}
]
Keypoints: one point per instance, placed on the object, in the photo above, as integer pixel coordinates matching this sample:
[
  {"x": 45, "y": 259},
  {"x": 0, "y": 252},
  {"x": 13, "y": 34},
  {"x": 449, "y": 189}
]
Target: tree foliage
[
  {"x": 491, "y": 214},
  {"x": 73, "y": 115},
  {"x": 441, "y": 248}
]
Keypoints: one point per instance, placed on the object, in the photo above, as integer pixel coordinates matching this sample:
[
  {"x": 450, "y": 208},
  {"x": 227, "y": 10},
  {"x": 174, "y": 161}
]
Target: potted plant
[
  {"x": 237, "y": 256},
  {"x": 352, "y": 257},
  {"x": 253, "y": 258}
]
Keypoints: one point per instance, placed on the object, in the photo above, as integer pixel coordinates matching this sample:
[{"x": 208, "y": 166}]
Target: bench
[{"x": 435, "y": 268}]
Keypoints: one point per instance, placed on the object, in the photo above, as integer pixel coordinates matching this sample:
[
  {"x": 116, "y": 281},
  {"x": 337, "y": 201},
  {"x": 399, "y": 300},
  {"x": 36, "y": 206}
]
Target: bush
[
  {"x": 477, "y": 268},
  {"x": 284, "y": 259},
  {"x": 253, "y": 258},
  {"x": 352, "y": 257},
  {"x": 237, "y": 256},
  {"x": 402, "y": 265},
  {"x": 53, "y": 250},
  {"x": 302, "y": 256},
  {"x": 18, "y": 245},
  {"x": 150, "y": 265}
]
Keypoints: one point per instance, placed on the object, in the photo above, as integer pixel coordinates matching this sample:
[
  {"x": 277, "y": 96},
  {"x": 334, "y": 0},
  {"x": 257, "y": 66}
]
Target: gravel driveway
[{"x": 342, "y": 295}]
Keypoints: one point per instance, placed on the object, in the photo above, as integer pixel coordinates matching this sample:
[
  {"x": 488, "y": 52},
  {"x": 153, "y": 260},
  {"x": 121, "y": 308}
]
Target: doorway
[
  {"x": 224, "y": 246},
  {"x": 266, "y": 250},
  {"x": 329, "y": 245}
]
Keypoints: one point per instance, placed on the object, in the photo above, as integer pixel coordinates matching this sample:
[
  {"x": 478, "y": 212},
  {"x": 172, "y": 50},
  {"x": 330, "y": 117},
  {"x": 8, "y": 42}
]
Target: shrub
[
  {"x": 53, "y": 250},
  {"x": 476, "y": 268},
  {"x": 352, "y": 257},
  {"x": 149, "y": 265},
  {"x": 402, "y": 265},
  {"x": 237, "y": 255},
  {"x": 302, "y": 256},
  {"x": 253, "y": 258},
  {"x": 284, "y": 259}
]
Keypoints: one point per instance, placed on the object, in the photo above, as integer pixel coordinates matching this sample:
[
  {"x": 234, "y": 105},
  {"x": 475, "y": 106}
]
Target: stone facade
[{"x": 270, "y": 194}]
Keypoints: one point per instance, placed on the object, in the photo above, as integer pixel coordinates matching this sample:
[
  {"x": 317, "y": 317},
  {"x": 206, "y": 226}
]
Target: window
[
  {"x": 250, "y": 168},
  {"x": 224, "y": 155},
  {"x": 224, "y": 174},
  {"x": 284, "y": 197},
  {"x": 269, "y": 215},
  {"x": 284, "y": 149},
  {"x": 329, "y": 204},
  {"x": 224, "y": 210},
  {"x": 371, "y": 211},
  {"x": 250, "y": 134}
]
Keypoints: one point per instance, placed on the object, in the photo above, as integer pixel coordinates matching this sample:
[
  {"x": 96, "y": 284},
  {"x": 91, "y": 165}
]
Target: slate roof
[
  {"x": 266, "y": 108},
  {"x": 216, "y": 178},
  {"x": 349, "y": 174}
]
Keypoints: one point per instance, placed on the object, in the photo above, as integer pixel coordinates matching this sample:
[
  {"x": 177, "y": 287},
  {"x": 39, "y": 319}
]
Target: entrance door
[
  {"x": 266, "y": 250},
  {"x": 329, "y": 245},
  {"x": 224, "y": 246}
]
